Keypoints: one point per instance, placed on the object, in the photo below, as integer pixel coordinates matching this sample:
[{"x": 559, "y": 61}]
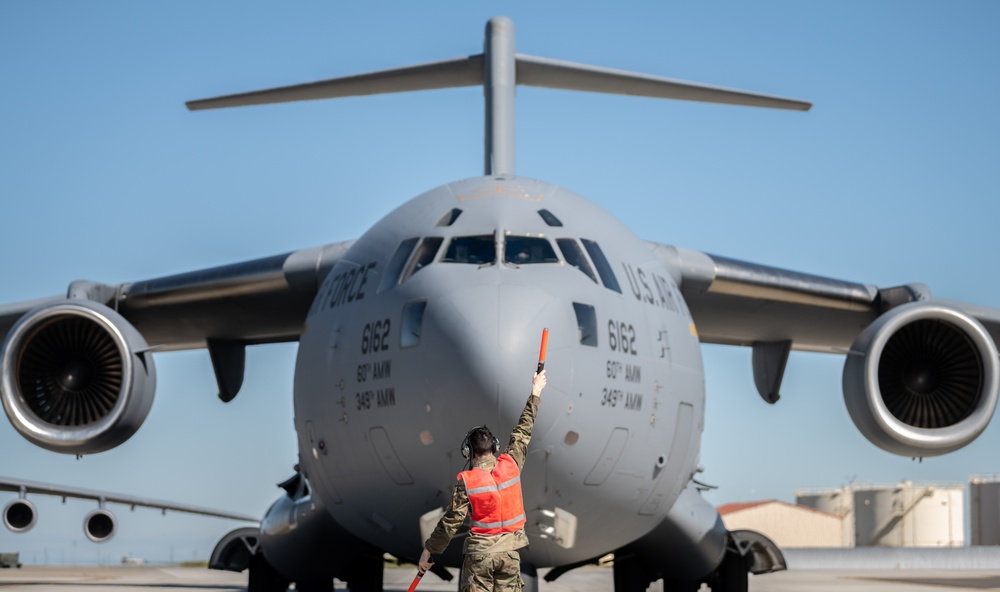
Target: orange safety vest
[{"x": 495, "y": 497}]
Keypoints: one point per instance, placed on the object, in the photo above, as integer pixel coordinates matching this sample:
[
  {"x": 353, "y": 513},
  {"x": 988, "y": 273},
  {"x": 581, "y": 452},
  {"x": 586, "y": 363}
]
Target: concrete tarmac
[{"x": 587, "y": 579}]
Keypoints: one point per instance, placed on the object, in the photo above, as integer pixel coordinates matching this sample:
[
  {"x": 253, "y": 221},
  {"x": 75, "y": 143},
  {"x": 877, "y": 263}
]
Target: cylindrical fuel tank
[
  {"x": 984, "y": 518},
  {"x": 909, "y": 515},
  {"x": 839, "y": 502}
]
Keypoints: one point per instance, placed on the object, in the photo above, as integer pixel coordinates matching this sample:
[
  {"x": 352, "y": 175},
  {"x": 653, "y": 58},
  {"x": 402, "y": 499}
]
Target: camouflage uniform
[{"x": 492, "y": 562}]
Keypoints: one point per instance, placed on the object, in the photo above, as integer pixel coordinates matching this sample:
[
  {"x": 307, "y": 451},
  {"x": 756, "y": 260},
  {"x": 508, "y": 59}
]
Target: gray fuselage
[{"x": 417, "y": 335}]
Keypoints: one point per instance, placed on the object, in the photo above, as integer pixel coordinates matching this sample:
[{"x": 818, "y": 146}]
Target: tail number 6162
[{"x": 375, "y": 337}]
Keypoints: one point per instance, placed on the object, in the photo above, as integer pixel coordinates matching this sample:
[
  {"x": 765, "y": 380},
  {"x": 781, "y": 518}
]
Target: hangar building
[{"x": 788, "y": 525}]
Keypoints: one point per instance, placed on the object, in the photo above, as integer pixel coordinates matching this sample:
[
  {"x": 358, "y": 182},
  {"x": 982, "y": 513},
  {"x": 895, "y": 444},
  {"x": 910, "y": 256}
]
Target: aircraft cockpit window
[
  {"x": 525, "y": 250},
  {"x": 413, "y": 324},
  {"x": 603, "y": 267},
  {"x": 549, "y": 218},
  {"x": 449, "y": 218},
  {"x": 574, "y": 256},
  {"x": 395, "y": 266},
  {"x": 586, "y": 323},
  {"x": 478, "y": 250},
  {"x": 423, "y": 256}
]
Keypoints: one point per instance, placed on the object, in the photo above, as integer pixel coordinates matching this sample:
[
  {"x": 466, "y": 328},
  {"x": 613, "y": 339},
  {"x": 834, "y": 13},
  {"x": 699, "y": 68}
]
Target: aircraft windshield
[
  {"x": 423, "y": 255},
  {"x": 523, "y": 250},
  {"x": 395, "y": 266},
  {"x": 603, "y": 267},
  {"x": 478, "y": 250},
  {"x": 574, "y": 256}
]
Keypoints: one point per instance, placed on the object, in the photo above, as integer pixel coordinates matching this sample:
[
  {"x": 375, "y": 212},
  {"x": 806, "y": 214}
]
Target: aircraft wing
[
  {"x": 108, "y": 331},
  {"x": 740, "y": 303},
  {"x": 912, "y": 360},
  {"x": 259, "y": 301},
  {"x": 25, "y": 488}
]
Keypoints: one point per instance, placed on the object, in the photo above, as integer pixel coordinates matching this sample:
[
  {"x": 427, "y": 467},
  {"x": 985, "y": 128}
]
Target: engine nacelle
[
  {"x": 20, "y": 515},
  {"x": 302, "y": 542},
  {"x": 922, "y": 380},
  {"x": 100, "y": 525},
  {"x": 77, "y": 377}
]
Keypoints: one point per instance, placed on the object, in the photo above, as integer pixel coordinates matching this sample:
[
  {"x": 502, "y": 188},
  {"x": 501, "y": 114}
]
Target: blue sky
[{"x": 893, "y": 177}]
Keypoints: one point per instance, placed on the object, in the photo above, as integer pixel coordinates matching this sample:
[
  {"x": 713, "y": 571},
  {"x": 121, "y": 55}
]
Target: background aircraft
[{"x": 889, "y": 170}]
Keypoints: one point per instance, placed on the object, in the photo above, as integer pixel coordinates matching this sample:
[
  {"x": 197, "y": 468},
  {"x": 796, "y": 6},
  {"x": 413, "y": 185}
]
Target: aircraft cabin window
[
  {"x": 423, "y": 256},
  {"x": 395, "y": 267},
  {"x": 524, "y": 250},
  {"x": 449, "y": 218},
  {"x": 574, "y": 256},
  {"x": 478, "y": 250},
  {"x": 586, "y": 323},
  {"x": 549, "y": 218},
  {"x": 603, "y": 267},
  {"x": 413, "y": 324}
]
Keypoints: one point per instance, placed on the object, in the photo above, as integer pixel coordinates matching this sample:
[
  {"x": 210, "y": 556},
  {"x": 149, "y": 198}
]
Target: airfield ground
[{"x": 590, "y": 579}]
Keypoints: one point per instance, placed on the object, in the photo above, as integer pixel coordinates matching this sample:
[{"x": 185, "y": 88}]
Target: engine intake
[
  {"x": 100, "y": 525},
  {"x": 77, "y": 377},
  {"x": 20, "y": 515},
  {"x": 922, "y": 380}
]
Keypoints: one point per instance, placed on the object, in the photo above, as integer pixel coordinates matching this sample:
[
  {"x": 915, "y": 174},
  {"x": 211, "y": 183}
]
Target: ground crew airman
[{"x": 491, "y": 491}]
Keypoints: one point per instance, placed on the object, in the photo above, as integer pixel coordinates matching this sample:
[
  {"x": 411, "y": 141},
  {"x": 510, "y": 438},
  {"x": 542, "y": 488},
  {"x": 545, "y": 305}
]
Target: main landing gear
[{"x": 632, "y": 574}]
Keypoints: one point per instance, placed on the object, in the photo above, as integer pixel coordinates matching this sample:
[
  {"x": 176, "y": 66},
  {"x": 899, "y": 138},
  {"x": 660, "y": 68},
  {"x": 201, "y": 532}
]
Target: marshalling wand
[
  {"x": 541, "y": 353},
  {"x": 416, "y": 580}
]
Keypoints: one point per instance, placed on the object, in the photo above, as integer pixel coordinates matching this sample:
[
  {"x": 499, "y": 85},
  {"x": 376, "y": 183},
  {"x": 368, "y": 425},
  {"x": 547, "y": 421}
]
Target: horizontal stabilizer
[
  {"x": 499, "y": 69},
  {"x": 466, "y": 71},
  {"x": 548, "y": 73},
  {"x": 530, "y": 71}
]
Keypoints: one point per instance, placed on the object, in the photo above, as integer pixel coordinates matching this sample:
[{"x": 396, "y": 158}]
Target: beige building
[{"x": 788, "y": 525}]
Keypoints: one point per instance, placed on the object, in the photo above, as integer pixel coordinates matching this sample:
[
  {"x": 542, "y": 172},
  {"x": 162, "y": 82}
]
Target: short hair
[{"x": 482, "y": 441}]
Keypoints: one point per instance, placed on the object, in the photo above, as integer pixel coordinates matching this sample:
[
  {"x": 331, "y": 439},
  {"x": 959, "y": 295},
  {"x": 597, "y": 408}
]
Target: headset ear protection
[{"x": 467, "y": 445}]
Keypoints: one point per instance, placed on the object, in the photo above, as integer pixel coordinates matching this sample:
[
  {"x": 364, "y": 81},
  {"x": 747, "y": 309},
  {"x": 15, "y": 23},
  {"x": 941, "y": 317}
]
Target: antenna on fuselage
[{"x": 499, "y": 69}]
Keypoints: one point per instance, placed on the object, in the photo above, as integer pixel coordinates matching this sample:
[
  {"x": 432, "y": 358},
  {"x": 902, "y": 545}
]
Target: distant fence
[{"x": 894, "y": 558}]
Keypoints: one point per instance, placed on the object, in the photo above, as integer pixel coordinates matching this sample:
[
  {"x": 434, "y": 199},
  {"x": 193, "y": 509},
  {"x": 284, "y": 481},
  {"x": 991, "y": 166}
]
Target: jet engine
[
  {"x": 77, "y": 377},
  {"x": 922, "y": 380},
  {"x": 19, "y": 515},
  {"x": 100, "y": 525}
]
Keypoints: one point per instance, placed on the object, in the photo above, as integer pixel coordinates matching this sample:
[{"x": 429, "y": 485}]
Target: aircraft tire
[
  {"x": 314, "y": 586},
  {"x": 732, "y": 574},
  {"x": 365, "y": 574},
  {"x": 681, "y": 586},
  {"x": 529, "y": 577},
  {"x": 263, "y": 577},
  {"x": 631, "y": 574}
]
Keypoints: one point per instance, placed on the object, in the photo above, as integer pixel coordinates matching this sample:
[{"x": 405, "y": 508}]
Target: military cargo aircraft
[{"x": 430, "y": 319}]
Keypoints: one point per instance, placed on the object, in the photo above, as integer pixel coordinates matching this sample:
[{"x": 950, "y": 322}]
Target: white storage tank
[
  {"x": 908, "y": 515},
  {"x": 984, "y": 519},
  {"x": 839, "y": 502}
]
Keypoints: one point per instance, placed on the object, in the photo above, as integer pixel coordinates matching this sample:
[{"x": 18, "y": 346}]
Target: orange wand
[
  {"x": 541, "y": 353},
  {"x": 416, "y": 580}
]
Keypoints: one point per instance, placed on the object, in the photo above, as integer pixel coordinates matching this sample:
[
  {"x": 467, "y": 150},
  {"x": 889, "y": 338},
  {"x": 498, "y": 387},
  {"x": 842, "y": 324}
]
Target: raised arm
[{"x": 517, "y": 448}]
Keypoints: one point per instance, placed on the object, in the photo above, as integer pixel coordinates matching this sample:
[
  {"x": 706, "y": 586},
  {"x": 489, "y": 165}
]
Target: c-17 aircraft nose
[{"x": 493, "y": 333}]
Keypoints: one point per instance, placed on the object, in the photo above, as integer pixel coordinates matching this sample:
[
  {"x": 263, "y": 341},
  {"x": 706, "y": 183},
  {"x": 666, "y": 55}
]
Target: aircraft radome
[{"x": 430, "y": 319}]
